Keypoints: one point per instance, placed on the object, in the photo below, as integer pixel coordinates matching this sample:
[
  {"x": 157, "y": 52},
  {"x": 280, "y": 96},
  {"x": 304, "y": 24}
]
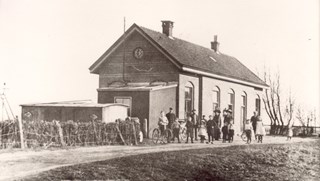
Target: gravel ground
[{"x": 17, "y": 164}]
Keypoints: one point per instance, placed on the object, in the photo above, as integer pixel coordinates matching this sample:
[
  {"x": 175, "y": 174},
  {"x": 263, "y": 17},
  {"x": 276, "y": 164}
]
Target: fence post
[
  {"x": 145, "y": 127},
  {"x": 134, "y": 132},
  {"x": 21, "y": 133},
  {"x": 60, "y": 132},
  {"x": 119, "y": 132}
]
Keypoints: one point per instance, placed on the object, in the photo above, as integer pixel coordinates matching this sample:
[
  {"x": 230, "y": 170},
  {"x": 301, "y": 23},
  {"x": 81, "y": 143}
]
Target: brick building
[{"x": 152, "y": 71}]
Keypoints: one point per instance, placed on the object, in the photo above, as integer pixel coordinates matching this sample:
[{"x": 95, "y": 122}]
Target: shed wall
[
  {"x": 60, "y": 113},
  {"x": 161, "y": 100}
]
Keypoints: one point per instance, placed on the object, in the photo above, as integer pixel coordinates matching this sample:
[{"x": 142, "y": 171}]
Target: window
[
  {"x": 243, "y": 111},
  {"x": 258, "y": 105},
  {"x": 231, "y": 101},
  {"x": 215, "y": 98},
  {"x": 126, "y": 101},
  {"x": 188, "y": 98}
]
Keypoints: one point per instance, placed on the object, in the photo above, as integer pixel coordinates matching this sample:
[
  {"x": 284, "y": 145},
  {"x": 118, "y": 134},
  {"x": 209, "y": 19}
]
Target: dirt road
[{"x": 18, "y": 164}]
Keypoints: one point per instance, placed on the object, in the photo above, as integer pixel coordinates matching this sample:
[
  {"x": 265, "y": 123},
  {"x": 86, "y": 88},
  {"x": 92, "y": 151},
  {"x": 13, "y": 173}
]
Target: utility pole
[{"x": 5, "y": 104}]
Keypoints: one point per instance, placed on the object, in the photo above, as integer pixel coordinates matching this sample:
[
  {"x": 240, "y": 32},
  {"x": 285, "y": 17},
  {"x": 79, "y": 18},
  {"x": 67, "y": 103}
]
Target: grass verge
[{"x": 295, "y": 161}]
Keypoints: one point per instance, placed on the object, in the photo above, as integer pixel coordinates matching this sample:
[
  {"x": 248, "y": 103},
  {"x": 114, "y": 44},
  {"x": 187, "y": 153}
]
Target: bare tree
[
  {"x": 273, "y": 105},
  {"x": 289, "y": 110}
]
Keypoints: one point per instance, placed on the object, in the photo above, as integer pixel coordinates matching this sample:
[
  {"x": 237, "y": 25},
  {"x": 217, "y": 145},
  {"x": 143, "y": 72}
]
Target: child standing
[
  {"x": 225, "y": 132},
  {"x": 231, "y": 133},
  {"x": 190, "y": 127},
  {"x": 260, "y": 131},
  {"x": 202, "y": 129},
  {"x": 176, "y": 129},
  {"x": 248, "y": 128}
]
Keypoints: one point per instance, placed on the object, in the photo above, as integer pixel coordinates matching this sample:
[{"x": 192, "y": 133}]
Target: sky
[{"x": 47, "y": 46}]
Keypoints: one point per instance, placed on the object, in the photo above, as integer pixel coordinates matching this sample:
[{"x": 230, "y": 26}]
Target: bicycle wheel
[
  {"x": 167, "y": 136},
  {"x": 183, "y": 134},
  {"x": 155, "y": 135},
  {"x": 244, "y": 136}
]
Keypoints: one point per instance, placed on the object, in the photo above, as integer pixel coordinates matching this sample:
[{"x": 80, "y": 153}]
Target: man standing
[
  {"x": 171, "y": 117},
  {"x": 254, "y": 120},
  {"x": 190, "y": 127},
  {"x": 194, "y": 118}
]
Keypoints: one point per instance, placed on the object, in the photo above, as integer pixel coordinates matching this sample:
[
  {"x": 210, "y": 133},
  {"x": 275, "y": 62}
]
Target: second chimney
[
  {"x": 167, "y": 27},
  {"x": 215, "y": 44}
]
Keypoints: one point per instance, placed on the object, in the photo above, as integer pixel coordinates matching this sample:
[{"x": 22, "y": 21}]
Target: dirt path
[{"x": 18, "y": 164}]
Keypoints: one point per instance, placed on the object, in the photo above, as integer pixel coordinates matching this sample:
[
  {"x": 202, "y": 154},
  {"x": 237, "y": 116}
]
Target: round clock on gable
[{"x": 138, "y": 53}]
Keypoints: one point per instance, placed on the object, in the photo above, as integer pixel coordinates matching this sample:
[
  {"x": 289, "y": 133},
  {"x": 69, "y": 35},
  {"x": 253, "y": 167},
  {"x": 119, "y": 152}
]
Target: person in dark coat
[
  {"x": 210, "y": 129},
  {"x": 175, "y": 127},
  {"x": 254, "y": 120},
  {"x": 171, "y": 117},
  {"x": 231, "y": 133},
  {"x": 217, "y": 123},
  {"x": 225, "y": 131},
  {"x": 228, "y": 119},
  {"x": 195, "y": 121},
  {"x": 190, "y": 128}
]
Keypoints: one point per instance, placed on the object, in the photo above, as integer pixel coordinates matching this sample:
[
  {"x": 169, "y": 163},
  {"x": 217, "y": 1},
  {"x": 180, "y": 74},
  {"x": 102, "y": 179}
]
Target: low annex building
[
  {"x": 73, "y": 110},
  {"x": 151, "y": 71}
]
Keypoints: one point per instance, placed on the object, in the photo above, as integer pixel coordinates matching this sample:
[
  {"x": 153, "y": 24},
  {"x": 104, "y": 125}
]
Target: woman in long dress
[
  {"x": 217, "y": 123},
  {"x": 260, "y": 131},
  {"x": 163, "y": 122}
]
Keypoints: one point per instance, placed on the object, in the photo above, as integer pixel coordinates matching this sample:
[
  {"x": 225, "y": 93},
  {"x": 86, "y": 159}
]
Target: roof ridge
[{"x": 181, "y": 40}]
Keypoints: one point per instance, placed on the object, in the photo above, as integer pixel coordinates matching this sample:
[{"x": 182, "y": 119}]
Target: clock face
[{"x": 138, "y": 53}]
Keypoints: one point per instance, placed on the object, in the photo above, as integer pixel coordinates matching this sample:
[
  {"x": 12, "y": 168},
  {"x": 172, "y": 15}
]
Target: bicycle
[
  {"x": 164, "y": 138},
  {"x": 244, "y": 136}
]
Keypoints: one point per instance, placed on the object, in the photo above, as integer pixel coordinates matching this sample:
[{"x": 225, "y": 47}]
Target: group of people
[
  {"x": 254, "y": 128},
  {"x": 169, "y": 120},
  {"x": 210, "y": 128},
  {"x": 201, "y": 128}
]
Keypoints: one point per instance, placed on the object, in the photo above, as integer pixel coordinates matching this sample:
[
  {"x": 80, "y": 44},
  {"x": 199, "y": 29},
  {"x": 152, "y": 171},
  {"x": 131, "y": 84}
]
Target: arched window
[
  {"x": 188, "y": 91},
  {"x": 231, "y": 101},
  {"x": 258, "y": 105},
  {"x": 215, "y": 97},
  {"x": 243, "y": 110}
]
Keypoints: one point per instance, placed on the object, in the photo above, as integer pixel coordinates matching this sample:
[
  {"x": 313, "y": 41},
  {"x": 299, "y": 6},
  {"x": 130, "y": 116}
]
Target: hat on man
[
  {"x": 170, "y": 108},
  {"x": 217, "y": 110},
  {"x": 193, "y": 110}
]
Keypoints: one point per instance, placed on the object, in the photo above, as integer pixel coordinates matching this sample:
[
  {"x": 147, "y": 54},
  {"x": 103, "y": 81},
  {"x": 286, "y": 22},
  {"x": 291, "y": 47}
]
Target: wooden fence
[{"x": 57, "y": 134}]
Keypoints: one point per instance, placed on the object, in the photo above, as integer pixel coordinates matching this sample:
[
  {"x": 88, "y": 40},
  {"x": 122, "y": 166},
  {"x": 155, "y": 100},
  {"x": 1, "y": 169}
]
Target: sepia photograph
[{"x": 219, "y": 90}]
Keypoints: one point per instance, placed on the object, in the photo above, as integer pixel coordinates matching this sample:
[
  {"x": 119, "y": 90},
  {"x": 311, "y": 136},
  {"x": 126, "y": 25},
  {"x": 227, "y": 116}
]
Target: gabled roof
[{"x": 191, "y": 56}]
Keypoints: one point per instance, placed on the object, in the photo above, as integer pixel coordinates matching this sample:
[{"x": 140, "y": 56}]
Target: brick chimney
[
  {"x": 167, "y": 27},
  {"x": 215, "y": 44}
]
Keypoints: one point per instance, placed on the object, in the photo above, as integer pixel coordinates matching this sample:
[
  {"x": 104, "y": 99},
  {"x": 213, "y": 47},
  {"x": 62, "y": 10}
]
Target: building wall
[
  {"x": 183, "y": 81},
  {"x": 161, "y": 100},
  {"x": 153, "y": 66},
  {"x": 140, "y": 101},
  {"x": 60, "y": 113},
  {"x": 224, "y": 86}
]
